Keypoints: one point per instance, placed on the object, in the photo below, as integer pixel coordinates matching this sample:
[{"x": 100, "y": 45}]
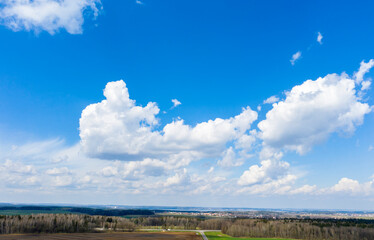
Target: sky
[{"x": 263, "y": 104}]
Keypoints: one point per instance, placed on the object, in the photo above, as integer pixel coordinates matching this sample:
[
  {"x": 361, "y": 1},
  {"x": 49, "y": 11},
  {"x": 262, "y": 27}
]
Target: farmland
[
  {"x": 221, "y": 236},
  {"x": 104, "y": 236},
  {"x": 128, "y": 236}
]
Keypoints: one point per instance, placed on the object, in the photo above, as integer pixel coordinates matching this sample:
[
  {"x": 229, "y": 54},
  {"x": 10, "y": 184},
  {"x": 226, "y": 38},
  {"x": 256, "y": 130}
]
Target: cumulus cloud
[
  {"x": 46, "y": 15},
  {"x": 175, "y": 102},
  {"x": 295, "y": 57},
  {"x": 109, "y": 171},
  {"x": 145, "y": 168},
  {"x": 118, "y": 128},
  {"x": 347, "y": 185},
  {"x": 312, "y": 111},
  {"x": 15, "y": 174},
  {"x": 180, "y": 178},
  {"x": 269, "y": 171},
  {"x": 17, "y": 167},
  {"x": 319, "y": 38},
  {"x": 230, "y": 159},
  {"x": 271, "y": 100},
  {"x": 152, "y": 158}
]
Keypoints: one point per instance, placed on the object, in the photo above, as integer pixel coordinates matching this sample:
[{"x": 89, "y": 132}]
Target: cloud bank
[{"x": 125, "y": 148}]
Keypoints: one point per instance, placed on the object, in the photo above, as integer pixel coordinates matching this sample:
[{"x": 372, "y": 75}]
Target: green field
[{"x": 221, "y": 236}]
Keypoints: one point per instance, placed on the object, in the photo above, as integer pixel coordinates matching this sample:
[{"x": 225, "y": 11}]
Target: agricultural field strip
[
  {"x": 218, "y": 235},
  {"x": 102, "y": 236}
]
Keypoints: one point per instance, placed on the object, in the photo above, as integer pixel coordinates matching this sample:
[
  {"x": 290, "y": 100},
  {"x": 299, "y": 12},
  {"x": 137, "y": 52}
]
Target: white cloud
[
  {"x": 109, "y": 171},
  {"x": 139, "y": 2},
  {"x": 365, "y": 85},
  {"x": 58, "y": 171},
  {"x": 62, "y": 181},
  {"x": 33, "y": 180},
  {"x": 145, "y": 168},
  {"x": 230, "y": 159},
  {"x": 175, "y": 102},
  {"x": 280, "y": 185},
  {"x": 347, "y": 185},
  {"x": 311, "y": 112},
  {"x": 181, "y": 178},
  {"x": 18, "y": 175},
  {"x": 359, "y": 75},
  {"x": 118, "y": 128},
  {"x": 271, "y": 100},
  {"x": 269, "y": 171},
  {"x": 46, "y": 15},
  {"x": 17, "y": 167},
  {"x": 319, "y": 38},
  {"x": 295, "y": 57},
  {"x": 306, "y": 189}
]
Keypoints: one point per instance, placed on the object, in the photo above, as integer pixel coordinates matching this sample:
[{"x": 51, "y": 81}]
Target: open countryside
[
  {"x": 97, "y": 223},
  {"x": 129, "y": 236},
  {"x": 186, "y": 119}
]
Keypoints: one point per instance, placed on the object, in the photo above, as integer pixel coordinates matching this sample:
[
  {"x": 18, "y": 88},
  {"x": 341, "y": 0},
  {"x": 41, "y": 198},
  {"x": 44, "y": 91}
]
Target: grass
[{"x": 221, "y": 236}]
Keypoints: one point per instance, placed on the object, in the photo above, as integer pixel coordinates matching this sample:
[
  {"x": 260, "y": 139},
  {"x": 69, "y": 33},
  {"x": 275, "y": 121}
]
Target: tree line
[
  {"x": 313, "y": 229},
  {"x": 80, "y": 210},
  {"x": 62, "y": 223}
]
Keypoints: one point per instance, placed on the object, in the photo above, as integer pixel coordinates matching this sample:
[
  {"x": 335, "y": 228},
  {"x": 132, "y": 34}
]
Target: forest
[
  {"x": 342, "y": 229},
  {"x": 78, "y": 210}
]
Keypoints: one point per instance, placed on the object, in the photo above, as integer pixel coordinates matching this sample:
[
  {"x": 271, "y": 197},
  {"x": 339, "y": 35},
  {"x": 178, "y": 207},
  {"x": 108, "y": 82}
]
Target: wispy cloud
[
  {"x": 175, "y": 103},
  {"x": 319, "y": 38},
  {"x": 295, "y": 57},
  {"x": 271, "y": 100}
]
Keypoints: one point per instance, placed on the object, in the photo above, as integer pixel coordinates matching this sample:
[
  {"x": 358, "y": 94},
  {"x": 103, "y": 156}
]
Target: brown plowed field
[{"x": 103, "y": 236}]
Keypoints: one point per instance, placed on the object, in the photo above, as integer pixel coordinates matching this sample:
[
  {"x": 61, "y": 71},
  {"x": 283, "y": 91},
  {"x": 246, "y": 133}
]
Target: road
[{"x": 203, "y": 235}]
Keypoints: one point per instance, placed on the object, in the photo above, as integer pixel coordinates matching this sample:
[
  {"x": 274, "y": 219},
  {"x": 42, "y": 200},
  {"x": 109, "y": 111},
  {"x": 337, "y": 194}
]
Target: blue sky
[{"x": 313, "y": 148}]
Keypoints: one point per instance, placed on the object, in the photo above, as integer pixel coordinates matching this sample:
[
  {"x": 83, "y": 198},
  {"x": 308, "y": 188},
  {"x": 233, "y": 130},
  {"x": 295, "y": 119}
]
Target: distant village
[{"x": 273, "y": 215}]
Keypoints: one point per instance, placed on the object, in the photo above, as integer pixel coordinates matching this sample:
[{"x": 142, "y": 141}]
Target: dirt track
[{"x": 103, "y": 236}]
